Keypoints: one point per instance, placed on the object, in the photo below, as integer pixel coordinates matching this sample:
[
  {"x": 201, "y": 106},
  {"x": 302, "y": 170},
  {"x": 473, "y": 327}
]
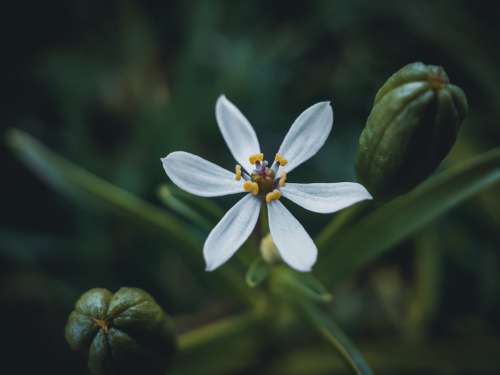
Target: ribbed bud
[
  {"x": 412, "y": 126},
  {"x": 122, "y": 333}
]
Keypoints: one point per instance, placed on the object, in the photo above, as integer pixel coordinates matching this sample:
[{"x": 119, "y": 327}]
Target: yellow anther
[
  {"x": 253, "y": 158},
  {"x": 252, "y": 187},
  {"x": 281, "y": 160},
  {"x": 282, "y": 179},
  {"x": 237, "y": 170},
  {"x": 273, "y": 196}
]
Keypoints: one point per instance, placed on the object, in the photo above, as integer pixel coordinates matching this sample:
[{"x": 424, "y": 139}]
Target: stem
[
  {"x": 264, "y": 224},
  {"x": 220, "y": 330},
  {"x": 175, "y": 204},
  {"x": 332, "y": 333},
  {"x": 342, "y": 218}
]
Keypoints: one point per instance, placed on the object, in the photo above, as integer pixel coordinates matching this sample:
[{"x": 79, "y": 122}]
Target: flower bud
[
  {"x": 122, "y": 333},
  {"x": 413, "y": 124},
  {"x": 269, "y": 251}
]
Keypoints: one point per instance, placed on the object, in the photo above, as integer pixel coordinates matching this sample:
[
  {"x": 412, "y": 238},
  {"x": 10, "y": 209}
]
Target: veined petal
[
  {"x": 325, "y": 198},
  {"x": 239, "y": 135},
  {"x": 307, "y": 134},
  {"x": 295, "y": 246},
  {"x": 231, "y": 231},
  {"x": 199, "y": 176}
]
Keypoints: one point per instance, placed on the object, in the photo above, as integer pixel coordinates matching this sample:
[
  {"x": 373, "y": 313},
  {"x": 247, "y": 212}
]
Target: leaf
[
  {"x": 221, "y": 330},
  {"x": 258, "y": 271},
  {"x": 301, "y": 284},
  {"x": 343, "y": 218},
  {"x": 428, "y": 282},
  {"x": 73, "y": 180},
  {"x": 376, "y": 233},
  {"x": 329, "y": 329},
  {"x": 171, "y": 201},
  {"x": 206, "y": 206}
]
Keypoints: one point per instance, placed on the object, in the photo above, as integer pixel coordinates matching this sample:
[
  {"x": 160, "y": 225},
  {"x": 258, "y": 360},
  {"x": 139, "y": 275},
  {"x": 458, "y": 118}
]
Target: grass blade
[
  {"x": 333, "y": 334},
  {"x": 374, "y": 234}
]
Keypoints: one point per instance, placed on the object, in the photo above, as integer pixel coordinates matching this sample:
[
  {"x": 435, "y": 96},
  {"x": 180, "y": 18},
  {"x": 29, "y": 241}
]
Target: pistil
[
  {"x": 263, "y": 178},
  {"x": 101, "y": 323}
]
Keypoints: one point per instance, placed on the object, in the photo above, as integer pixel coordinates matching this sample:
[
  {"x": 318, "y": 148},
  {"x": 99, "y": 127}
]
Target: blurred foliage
[{"x": 114, "y": 86}]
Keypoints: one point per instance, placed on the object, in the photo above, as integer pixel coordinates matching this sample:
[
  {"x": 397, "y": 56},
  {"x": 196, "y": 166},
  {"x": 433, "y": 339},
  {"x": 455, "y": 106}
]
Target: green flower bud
[
  {"x": 413, "y": 124},
  {"x": 122, "y": 333}
]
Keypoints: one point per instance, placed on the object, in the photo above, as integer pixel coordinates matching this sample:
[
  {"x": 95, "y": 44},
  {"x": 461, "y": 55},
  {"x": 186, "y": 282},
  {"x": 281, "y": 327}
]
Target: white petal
[
  {"x": 307, "y": 134},
  {"x": 325, "y": 198},
  {"x": 231, "y": 231},
  {"x": 237, "y": 132},
  {"x": 199, "y": 176},
  {"x": 294, "y": 244}
]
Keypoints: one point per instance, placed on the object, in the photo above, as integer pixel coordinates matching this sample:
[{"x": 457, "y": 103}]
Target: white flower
[{"x": 263, "y": 184}]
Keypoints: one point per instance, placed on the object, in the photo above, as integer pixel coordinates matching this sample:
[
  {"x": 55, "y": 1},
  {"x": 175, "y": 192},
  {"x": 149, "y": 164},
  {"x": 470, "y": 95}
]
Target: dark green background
[{"x": 115, "y": 85}]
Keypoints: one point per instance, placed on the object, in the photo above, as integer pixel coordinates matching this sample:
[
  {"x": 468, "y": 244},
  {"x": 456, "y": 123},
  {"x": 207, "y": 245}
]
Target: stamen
[
  {"x": 273, "y": 196},
  {"x": 282, "y": 179},
  {"x": 256, "y": 157},
  {"x": 252, "y": 187},
  {"x": 237, "y": 170},
  {"x": 281, "y": 160}
]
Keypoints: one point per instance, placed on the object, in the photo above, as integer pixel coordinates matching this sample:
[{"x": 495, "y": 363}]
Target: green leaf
[
  {"x": 340, "y": 220},
  {"x": 376, "y": 233},
  {"x": 203, "y": 205},
  {"x": 258, "y": 271},
  {"x": 221, "y": 330},
  {"x": 171, "y": 201},
  {"x": 72, "y": 180},
  {"x": 333, "y": 334},
  {"x": 301, "y": 284},
  {"x": 428, "y": 284}
]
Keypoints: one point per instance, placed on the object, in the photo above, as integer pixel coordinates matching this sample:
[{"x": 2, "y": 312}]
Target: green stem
[
  {"x": 171, "y": 201},
  {"x": 220, "y": 330},
  {"x": 202, "y": 204},
  {"x": 264, "y": 224},
  {"x": 427, "y": 270},
  {"x": 332, "y": 333},
  {"x": 390, "y": 355},
  {"x": 342, "y": 218}
]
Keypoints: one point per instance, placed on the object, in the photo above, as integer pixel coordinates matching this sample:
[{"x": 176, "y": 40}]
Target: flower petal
[
  {"x": 307, "y": 134},
  {"x": 294, "y": 244},
  {"x": 199, "y": 176},
  {"x": 325, "y": 198},
  {"x": 237, "y": 132},
  {"x": 231, "y": 231}
]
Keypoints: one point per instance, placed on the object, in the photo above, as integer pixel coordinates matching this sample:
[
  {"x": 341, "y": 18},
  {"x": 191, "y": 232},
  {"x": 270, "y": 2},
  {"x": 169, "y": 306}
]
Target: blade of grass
[
  {"x": 373, "y": 235},
  {"x": 221, "y": 330},
  {"x": 176, "y": 205},
  {"x": 333, "y": 334},
  {"x": 74, "y": 181},
  {"x": 205, "y": 205}
]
